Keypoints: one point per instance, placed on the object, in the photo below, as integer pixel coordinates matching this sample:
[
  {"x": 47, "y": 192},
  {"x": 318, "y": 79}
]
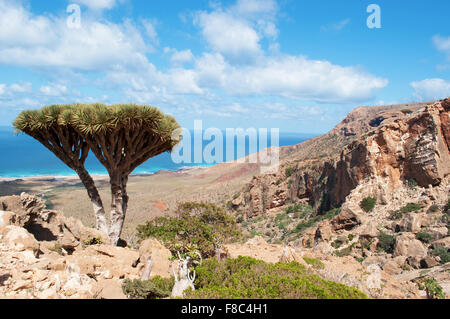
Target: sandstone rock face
[
  {"x": 6, "y": 219},
  {"x": 160, "y": 256},
  {"x": 19, "y": 239},
  {"x": 323, "y": 232},
  {"x": 391, "y": 146},
  {"x": 44, "y": 255},
  {"x": 407, "y": 245}
]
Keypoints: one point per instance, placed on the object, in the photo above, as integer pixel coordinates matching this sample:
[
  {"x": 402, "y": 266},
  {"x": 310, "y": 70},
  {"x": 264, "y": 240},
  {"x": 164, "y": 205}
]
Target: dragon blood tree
[{"x": 122, "y": 137}]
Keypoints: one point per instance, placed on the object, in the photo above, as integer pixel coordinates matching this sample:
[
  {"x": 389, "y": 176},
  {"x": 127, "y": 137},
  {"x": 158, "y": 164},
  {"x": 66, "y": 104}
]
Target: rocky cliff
[
  {"x": 379, "y": 196},
  {"x": 392, "y": 142}
]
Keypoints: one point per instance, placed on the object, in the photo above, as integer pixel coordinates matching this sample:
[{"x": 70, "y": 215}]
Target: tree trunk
[
  {"x": 99, "y": 212},
  {"x": 119, "y": 201}
]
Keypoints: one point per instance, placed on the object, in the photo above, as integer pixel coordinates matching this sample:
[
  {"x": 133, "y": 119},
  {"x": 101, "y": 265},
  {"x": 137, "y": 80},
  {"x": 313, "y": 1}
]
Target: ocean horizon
[{"x": 24, "y": 157}]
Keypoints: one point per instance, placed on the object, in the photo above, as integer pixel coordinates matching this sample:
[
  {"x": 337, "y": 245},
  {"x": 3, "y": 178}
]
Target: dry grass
[{"x": 150, "y": 196}]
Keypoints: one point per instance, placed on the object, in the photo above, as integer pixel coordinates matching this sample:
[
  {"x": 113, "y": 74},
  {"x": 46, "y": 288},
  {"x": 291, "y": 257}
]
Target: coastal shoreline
[{"x": 96, "y": 177}]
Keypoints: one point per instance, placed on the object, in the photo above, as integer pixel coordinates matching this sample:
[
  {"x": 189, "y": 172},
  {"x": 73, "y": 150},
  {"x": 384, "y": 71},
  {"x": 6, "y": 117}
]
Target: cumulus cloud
[
  {"x": 431, "y": 89},
  {"x": 179, "y": 57},
  {"x": 291, "y": 77},
  {"x": 236, "y": 63},
  {"x": 442, "y": 44},
  {"x": 41, "y": 41},
  {"x": 53, "y": 90},
  {"x": 15, "y": 88},
  {"x": 232, "y": 37}
]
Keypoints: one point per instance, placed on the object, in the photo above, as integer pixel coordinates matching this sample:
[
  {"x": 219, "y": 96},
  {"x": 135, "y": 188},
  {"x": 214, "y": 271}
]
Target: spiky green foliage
[
  {"x": 143, "y": 131},
  {"x": 245, "y": 277},
  {"x": 122, "y": 137}
]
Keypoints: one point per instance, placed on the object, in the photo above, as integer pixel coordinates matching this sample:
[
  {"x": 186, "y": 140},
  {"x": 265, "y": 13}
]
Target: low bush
[
  {"x": 368, "y": 204},
  {"x": 92, "y": 241},
  {"x": 289, "y": 171},
  {"x": 424, "y": 237},
  {"x": 406, "y": 111},
  {"x": 245, "y": 277},
  {"x": 443, "y": 253},
  {"x": 386, "y": 242},
  {"x": 432, "y": 288},
  {"x": 154, "y": 288},
  {"x": 411, "y": 207},
  {"x": 196, "y": 227}
]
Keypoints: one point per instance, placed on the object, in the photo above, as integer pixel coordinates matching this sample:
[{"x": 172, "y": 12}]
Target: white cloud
[
  {"x": 150, "y": 30},
  {"x": 15, "y": 88},
  {"x": 41, "y": 41},
  {"x": 291, "y": 77},
  {"x": 236, "y": 65},
  {"x": 442, "y": 44},
  {"x": 336, "y": 26},
  {"x": 97, "y": 4},
  {"x": 180, "y": 57},
  {"x": 232, "y": 37},
  {"x": 54, "y": 90},
  {"x": 19, "y": 28},
  {"x": 21, "y": 88},
  {"x": 431, "y": 89}
]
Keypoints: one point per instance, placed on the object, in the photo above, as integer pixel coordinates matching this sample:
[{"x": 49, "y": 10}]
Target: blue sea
[{"x": 23, "y": 156}]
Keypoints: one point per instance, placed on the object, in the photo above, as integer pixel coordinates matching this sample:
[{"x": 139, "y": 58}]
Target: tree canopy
[{"x": 121, "y": 136}]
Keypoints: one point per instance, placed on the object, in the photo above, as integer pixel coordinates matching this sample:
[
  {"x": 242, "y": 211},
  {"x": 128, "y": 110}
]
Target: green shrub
[
  {"x": 406, "y": 111},
  {"x": 245, "y": 278},
  {"x": 411, "y": 207},
  {"x": 424, "y": 237},
  {"x": 155, "y": 288},
  {"x": 92, "y": 241},
  {"x": 443, "y": 253},
  {"x": 302, "y": 226},
  {"x": 196, "y": 227},
  {"x": 412, "y": 183},
  {"x": 432, "y": 288},
  {"x": 332, "y": 213},
  {"x": 386, "y": 242},
  {"x": 368, "y": 204},
  {"x": 289, "y": 171}
]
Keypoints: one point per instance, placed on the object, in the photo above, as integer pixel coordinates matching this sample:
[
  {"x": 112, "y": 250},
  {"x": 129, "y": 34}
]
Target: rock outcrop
[
  {"x": 46, "y": 255},
  {"x": 404, "y": 146}
]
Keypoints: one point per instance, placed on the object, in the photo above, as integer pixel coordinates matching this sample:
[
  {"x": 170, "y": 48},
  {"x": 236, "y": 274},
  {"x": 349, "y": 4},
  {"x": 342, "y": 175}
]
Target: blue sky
[{"x": 300, "y": 66}]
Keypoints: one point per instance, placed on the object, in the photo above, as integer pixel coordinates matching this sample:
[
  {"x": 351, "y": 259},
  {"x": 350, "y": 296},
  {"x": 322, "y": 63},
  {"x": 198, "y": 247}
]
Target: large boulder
[
  {"x": 6, "y": 219},
  {"x": 160, "y": 257},
  {"x": 444, "y": 242},
  {"x": 109, "y": 289},
  {"x": 347, "y": 219},
  {"x": 323, "y": 232},
  {"x": 411, "y": 223},
  {"x": 407, "y": 245},
  {"x": 19, "y": 239},
  {"x": 83, "y": 233}
]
